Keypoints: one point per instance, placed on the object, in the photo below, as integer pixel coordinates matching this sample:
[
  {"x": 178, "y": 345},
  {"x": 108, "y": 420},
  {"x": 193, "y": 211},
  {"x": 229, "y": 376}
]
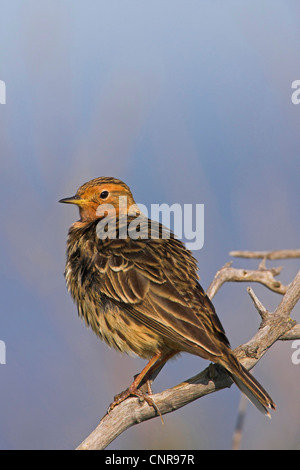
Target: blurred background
[{"x": 187, "y": 102}]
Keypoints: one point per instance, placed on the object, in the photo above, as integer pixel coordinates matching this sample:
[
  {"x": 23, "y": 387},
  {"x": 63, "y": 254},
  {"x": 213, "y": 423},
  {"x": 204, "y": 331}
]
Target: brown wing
[{"x": 156, "y": 282}]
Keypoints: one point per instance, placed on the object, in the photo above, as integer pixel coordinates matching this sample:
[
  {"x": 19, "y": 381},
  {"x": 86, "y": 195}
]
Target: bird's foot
[{"x": 132, "y": 390}]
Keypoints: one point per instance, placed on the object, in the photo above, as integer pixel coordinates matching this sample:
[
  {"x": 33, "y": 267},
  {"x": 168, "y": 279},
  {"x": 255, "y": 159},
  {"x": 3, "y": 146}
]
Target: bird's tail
[{"x": 249, "y": 385}]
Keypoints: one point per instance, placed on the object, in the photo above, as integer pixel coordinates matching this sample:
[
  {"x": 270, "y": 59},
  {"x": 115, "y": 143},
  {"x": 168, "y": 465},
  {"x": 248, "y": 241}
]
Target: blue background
[{"x": 188, "y": 102}]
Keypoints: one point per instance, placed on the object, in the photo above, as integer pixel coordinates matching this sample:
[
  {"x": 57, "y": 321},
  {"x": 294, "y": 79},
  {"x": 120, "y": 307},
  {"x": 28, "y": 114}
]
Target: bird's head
[{"x": 103, "y": 191}]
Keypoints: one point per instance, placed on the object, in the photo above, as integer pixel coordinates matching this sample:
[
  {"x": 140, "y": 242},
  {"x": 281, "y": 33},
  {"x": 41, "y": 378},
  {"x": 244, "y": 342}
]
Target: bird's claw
[{"x": 136, "y": 393}]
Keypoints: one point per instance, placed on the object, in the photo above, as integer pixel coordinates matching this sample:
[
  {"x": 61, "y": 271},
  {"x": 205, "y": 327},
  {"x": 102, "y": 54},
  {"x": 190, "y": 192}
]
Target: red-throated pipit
[{"x": 142, "y": 295}]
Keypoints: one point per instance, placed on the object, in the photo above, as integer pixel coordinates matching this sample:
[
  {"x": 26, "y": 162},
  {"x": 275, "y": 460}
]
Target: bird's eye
[{"x": 104, "y": 194}]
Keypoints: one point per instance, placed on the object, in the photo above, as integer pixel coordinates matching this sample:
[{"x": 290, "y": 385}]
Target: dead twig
[
  {"x": 275, "y": 254},
  {"x": 261, "y": 275}
]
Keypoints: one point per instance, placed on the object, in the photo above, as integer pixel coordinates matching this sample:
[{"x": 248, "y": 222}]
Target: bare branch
[
  {"x": 237, "y": 436},
  {"x": 258, "y": 305},
  {"x": 262, "y": 275},
  {"x": 292, "y": 334},
  {"x": 276, "y": 254},
  {"x": 274, "y": 326}
]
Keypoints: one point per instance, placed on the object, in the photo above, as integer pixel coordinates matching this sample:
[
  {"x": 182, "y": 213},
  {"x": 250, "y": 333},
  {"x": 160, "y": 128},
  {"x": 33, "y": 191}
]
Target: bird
[{"x": 141, "y": 294}]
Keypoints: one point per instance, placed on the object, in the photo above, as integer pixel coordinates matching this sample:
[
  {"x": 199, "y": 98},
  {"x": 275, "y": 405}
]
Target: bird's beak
[{"x": 71, "y": 200}]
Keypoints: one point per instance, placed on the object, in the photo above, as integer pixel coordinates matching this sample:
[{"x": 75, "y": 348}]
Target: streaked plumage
[{"x": 142, "y": 296}]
